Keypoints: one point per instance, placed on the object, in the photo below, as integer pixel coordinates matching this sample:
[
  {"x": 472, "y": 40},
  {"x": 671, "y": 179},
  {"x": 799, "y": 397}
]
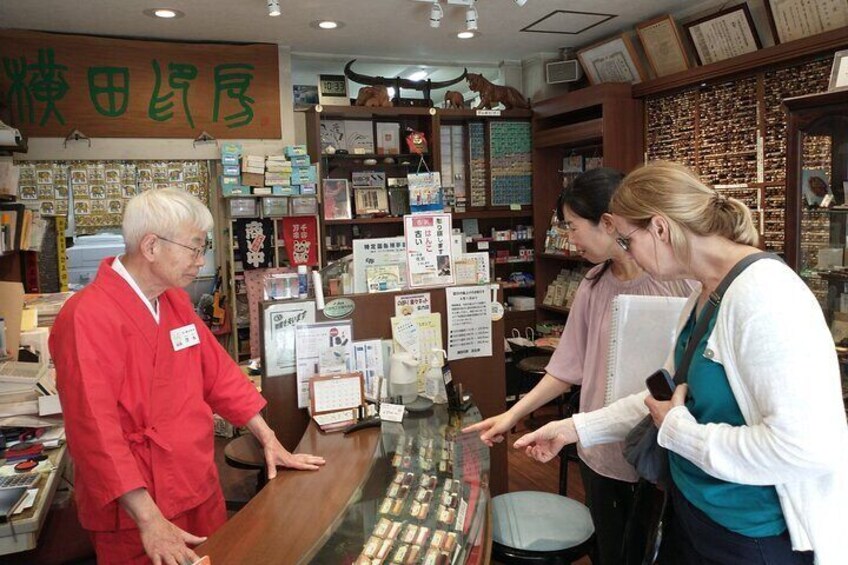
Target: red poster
[{"x": 301, "y": 236}]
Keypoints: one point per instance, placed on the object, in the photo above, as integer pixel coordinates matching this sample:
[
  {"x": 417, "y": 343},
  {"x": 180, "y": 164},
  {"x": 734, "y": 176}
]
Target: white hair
[{"x": 163, "y": 212}]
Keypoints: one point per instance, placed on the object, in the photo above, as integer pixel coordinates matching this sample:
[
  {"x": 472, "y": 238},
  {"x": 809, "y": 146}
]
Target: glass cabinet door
[{"x": 822, "y": 261}]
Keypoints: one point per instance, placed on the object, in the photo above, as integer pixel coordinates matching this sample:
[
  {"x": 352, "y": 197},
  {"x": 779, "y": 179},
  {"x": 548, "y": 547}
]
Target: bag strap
[{"x": 681, "y": 374}]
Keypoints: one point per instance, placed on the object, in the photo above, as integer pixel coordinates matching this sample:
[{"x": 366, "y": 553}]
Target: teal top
[{"x": 750, "y": 510}]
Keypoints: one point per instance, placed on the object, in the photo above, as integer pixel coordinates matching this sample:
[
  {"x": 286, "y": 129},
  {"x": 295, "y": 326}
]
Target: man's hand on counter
[{"x": 277, "y": 455}]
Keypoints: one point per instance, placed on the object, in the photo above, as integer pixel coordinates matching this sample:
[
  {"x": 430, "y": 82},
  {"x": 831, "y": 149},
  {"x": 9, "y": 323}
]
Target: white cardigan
[{"x": 772, "y": 340}]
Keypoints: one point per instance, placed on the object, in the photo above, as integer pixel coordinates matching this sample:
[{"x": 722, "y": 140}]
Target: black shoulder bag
[{"x": 640, "y": 446}]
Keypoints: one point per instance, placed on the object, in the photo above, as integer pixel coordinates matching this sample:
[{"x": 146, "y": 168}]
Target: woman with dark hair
[{"x": 581, "y": 357}]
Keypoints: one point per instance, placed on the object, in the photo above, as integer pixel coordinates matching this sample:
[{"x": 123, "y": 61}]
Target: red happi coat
[{"x": 137, "y": 413}]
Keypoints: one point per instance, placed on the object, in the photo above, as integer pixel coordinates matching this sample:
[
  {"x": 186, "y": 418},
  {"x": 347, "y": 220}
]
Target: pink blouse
[{"x": 581, "y": 356}]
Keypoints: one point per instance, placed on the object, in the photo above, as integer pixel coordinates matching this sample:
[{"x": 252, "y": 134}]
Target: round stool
[
  {"x": 540, "y": 527},
  {"x": 244, "y": 452},
  {"x": 531, "y": 370}
]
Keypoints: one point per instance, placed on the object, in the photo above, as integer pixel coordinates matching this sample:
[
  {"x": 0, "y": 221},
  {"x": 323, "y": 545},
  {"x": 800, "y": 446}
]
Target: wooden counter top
[{"x": 287, "y": 520}]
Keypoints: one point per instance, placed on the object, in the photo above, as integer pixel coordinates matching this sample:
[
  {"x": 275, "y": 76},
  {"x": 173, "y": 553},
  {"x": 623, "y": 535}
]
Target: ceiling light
[
  {"x": 328, "y": 25},
  {"x": 436, "y": 14},
  {"x": 520, "y": 2},
  {"x": 418, "y": 75},
  {"x": 471, "y": 18},
  {"x": 465, "y": 34},
  {"x": 391, "y": 91},
  {"x": 274, "y": 8},
  {"x": 164, "y": 13}
]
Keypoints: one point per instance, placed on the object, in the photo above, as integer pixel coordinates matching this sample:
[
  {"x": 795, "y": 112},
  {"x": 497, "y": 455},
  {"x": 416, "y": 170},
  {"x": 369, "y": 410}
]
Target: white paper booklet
[{"x": 642, "y": 332}]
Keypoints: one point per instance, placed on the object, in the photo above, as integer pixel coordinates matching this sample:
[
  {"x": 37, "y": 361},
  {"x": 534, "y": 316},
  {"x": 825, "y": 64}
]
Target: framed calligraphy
[
  {"x": 795, "y": 19},
  {"x": 611, "y": 60},
  {"x": 663, "y": 46},
  {"x": 723, "y": 35}
]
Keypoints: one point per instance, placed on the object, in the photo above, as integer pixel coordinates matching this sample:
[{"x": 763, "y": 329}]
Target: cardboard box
[
  {"x": 294, "y": 150},
  {"x": 253, "y": 179}
]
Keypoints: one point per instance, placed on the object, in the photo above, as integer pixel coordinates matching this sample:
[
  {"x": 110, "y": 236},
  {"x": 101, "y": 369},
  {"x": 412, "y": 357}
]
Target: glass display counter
[
  {"x": 410, "y": 493},
  {"x": 425, "y": 500}
]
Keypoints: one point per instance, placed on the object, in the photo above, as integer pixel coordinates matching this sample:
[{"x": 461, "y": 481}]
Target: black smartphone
[{"x": 661, "y": 385}]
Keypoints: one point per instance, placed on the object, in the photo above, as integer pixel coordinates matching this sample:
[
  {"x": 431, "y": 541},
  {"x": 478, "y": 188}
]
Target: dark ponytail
[{"x": 588, "y": 195}]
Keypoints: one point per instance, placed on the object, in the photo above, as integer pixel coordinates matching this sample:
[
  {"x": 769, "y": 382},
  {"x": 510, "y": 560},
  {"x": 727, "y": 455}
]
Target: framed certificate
[
  {"x": 794, "y": 19},
  {"x": 839, "y": 71},
  {"x": 723, "y": 35},
  {"x": 612, "y": 60},
  {"x": 663, "y": 46}
]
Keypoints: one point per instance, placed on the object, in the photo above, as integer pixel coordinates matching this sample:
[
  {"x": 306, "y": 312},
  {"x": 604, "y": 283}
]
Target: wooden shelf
[
  {"x": 493, "y": 214},
  {"x": 823, "y": 42},
  {"x": 368, "y": 113},
  {"x": 570, "y": 135},
  {"x": 563, "y": 257},
  {"x": 557, "y": 309},
  {"x": 384, "y": 220},
  {"x": 412, "y": 157},
  {"x": 471, "y": 114},
  {"x": 479, "y": 214}
]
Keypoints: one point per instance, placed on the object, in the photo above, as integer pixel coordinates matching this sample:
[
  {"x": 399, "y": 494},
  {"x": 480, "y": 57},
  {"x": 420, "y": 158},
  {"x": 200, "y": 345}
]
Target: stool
[
  {"x": 540, "y": 528},
  {"x": 531, "y": 370},
  {"x": 569, "y": 452},
  {"x": 244, "y": 452}
]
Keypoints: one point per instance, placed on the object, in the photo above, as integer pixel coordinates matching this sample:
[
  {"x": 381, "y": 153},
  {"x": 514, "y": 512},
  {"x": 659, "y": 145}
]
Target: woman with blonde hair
[{"x": 757, "y": 438}]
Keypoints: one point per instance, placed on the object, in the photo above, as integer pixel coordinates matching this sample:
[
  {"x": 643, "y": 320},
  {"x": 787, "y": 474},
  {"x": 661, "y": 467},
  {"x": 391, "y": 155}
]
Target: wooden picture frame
[
  {"x": 795, "y": 19},
  {"x": 663, "y": 46},
  {"x": 704, "y": 35},
  {"x": 839, "y": 71},
  {"x": 612, "y": 60}
]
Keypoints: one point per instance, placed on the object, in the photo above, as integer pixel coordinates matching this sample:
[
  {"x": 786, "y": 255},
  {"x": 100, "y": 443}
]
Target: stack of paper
[{"x": 21, "y": 384}]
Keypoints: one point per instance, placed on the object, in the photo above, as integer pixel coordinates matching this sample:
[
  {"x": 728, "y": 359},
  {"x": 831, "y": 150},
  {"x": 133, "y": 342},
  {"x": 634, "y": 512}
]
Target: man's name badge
[{"x": 184, "y": 337}]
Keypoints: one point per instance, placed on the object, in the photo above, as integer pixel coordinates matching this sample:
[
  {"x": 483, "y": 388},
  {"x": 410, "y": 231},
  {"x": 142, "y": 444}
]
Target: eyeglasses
[
  {"x": 624, "y": 240},
  {"x": 197, "y": 252}
]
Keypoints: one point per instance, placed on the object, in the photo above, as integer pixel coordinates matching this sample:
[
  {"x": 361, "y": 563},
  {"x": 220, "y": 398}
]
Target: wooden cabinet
[
  {"x": 485, "y": 163},
  {"x": 601, "y": 123},
  {"x": 816, "y": 211}
]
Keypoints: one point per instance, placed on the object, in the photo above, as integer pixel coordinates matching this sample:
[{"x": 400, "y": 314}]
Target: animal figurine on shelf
[
  {"x": 454, "y": 99},
  {"x": 492, "y": 94},
  {"x": 374, "y": 97}
]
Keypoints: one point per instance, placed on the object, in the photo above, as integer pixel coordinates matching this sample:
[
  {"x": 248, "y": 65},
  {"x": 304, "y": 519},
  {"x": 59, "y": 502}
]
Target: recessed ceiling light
[
  {"x": 164, "y": 13},
  {"x": 465, "y": 34},
  {"x": 326, "y": 24},
  {"x": 274, "y": 8},
  {"x": 418, "y": 75}
]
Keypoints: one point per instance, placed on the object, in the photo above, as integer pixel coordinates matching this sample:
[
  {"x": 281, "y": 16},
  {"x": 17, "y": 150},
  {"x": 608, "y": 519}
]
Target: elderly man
[{"x": 139, "y": 377}]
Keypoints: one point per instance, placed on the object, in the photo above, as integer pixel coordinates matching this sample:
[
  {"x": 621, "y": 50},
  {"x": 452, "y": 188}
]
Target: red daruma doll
[{"x": 416, "y": 142}]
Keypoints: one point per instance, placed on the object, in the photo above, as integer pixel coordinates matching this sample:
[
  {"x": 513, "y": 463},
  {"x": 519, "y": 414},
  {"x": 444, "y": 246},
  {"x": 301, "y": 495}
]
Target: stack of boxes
[
  {"x": 290, "y": 174},
  {"x": 561, "y": 292},
  {"x": 231, "y": 184}
]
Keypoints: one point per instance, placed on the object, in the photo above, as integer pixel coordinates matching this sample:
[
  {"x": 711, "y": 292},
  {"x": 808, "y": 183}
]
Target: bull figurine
[
  {"x": 454, "y": 99},
  {"x": 426, "y": 86}
]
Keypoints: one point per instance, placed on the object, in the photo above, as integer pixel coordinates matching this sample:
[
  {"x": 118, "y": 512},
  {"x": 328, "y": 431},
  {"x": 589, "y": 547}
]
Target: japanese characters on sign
[
  {"x": 428, "y": 249},
  {"x": 127, "y": 88},
  {"x": 300, "y": 234}
]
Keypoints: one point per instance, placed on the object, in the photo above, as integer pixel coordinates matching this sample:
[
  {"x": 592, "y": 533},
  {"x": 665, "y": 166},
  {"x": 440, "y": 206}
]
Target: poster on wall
[
  {"x": 469, "y": 322},
  {"x": 279, "y": 320},
  {"x": 428, "y": 249},
  {"x": 322, "y": 349}
]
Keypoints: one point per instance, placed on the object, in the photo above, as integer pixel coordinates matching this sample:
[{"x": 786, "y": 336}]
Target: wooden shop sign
[{"x": 54, "y": 83}]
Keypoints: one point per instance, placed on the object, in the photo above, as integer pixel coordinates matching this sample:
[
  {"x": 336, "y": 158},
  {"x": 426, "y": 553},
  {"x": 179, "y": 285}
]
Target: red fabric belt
[{"x": 149, "y": 433}]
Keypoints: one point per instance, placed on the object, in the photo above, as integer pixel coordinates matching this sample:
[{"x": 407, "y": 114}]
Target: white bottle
[{"x": 434, "y": 384}]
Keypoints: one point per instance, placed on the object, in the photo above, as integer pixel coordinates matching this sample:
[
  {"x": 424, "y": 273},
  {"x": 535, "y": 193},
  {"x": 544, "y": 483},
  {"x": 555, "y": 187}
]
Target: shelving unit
[
  {"x": 599, "y": 121},
  {"x": 440, "y": 127}
]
